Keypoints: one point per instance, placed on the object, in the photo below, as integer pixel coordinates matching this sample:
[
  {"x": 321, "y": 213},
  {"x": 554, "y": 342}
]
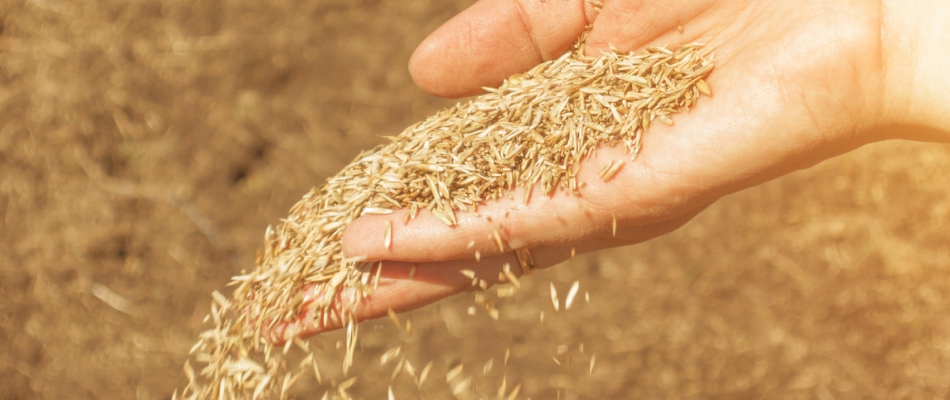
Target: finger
[
  {"x": 526, "y": 227},
  {"x": 494, "y": 39},
  {"x": 405, "y": 286},
  {"x": 633, "y": 25}
]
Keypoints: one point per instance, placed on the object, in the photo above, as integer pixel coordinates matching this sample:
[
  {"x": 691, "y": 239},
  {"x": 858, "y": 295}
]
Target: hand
[{"x": 795, "y": 83}]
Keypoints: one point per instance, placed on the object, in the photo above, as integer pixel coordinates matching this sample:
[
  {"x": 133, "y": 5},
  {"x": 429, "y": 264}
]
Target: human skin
[{"x": 795, "y": 84}]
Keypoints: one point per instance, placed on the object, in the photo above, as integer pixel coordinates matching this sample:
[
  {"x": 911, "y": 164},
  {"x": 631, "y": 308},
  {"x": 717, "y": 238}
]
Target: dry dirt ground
[{"x": 145, "y": 145}]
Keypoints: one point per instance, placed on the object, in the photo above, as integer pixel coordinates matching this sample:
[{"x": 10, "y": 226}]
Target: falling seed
[
  {"x": 379, "y": 270},
  {"x": 364, "y": 278},
  {"x": 511, "y": 276},
  {"x": 554, "y": 299},
  {"x": 586, "y": 296},
  {"x": 391, "y": 396},
  {"x": 388, "y": 235},
  {"x": 461, "y": 386},
  {"x": 506, "y": 291},
  {"x": 556, "y": 361},
  {"x": 454, "y": 373},
  {"x": 541, "y": 317},
  {"x": 470, "y": 245},
  {"x": 593, "y": 360},
  {"x": 407, "y": 366},
  {"x": 679, "y": 28},
  {"x": 478, "y": 255},
  {"x": 412, "y": 271},
  {"x": 287, "y": 346},
  {"x": 487, "y": 368},
  {"x": 468, "y": 273},
  {"x": 316, "y": 372},
  {"x": 345, "y": 384},
  {"x": 501, "y": 245},
  {"x": 398, "y": 369},
  {"x": 570, "y": 295},
  {"x": 614, "y": 224},
  {"x": 394, "y": 318},
  {"x": 425, "y": 373},
  {"x": 389, "y": 355},
  {"x": 261, "y": 387},
  {"x": 189, "y": 371},
  {"x": 514, "y": 392},
  {"x": 573, "y": 252}
]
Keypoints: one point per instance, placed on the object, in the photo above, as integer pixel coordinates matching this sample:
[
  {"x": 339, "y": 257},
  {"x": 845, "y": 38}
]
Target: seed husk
[
  {"x": 388, "y": 235},
  {"x": 570, "y": 295},
  {"x": 609, "y": 173}
]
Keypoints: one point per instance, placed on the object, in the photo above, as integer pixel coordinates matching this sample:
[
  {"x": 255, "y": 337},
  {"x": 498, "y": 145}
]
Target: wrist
[{"x": 915, "y": 40}]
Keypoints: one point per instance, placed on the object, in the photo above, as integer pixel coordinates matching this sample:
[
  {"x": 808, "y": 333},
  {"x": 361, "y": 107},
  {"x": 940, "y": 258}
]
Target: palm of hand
[{"x": 795, "y": 83}]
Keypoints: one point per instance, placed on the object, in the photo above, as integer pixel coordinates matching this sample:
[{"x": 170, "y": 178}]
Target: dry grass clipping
[{"x": 534, "y": 130}]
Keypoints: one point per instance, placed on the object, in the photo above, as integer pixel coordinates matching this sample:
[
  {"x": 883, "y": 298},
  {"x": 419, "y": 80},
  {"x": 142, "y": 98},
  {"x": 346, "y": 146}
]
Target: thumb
[{"x": 494, "y": 39}]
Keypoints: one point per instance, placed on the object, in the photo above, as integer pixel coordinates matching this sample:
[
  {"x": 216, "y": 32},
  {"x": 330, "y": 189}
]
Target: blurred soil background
[{"x": 145, "y": 146}]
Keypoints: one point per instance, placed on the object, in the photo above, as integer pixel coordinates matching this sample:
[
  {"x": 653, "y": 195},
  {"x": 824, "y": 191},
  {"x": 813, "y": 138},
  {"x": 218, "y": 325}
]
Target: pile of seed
[{"x": 534, "y": 129}]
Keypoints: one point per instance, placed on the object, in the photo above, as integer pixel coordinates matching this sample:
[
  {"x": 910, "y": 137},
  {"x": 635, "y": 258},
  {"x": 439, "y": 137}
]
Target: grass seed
[{"x": 532, "y": 131}]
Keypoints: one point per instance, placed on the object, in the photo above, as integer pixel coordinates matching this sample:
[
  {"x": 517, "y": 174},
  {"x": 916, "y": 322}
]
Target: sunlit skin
[{"x": 795, "y": 83}]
